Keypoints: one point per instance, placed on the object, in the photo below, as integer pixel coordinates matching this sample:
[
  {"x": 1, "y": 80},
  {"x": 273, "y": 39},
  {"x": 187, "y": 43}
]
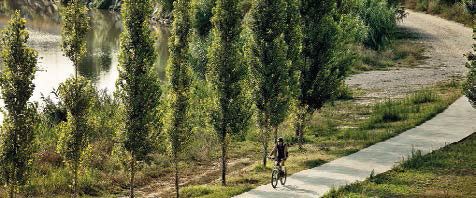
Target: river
[{"x": 101, "y": 63}]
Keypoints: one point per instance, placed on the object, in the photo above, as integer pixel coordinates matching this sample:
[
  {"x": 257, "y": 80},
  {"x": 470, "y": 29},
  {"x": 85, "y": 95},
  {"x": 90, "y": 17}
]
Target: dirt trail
[
  {"x": 446, "y": 42},
  {"x": 202, "y": 174}
]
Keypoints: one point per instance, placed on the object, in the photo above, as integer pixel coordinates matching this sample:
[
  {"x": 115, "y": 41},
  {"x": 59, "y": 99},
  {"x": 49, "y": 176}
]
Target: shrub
[
  {"x": 422, "y": 5},
  {"x": 388, "y": 111},
  {"x": 195, "y": 191},
  {"x": 381, "y": 20},
  {"x": 423, "y": 97}
]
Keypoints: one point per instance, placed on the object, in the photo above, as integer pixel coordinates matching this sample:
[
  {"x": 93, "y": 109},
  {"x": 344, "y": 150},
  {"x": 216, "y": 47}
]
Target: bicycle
[{"x": 278, "y": 173}]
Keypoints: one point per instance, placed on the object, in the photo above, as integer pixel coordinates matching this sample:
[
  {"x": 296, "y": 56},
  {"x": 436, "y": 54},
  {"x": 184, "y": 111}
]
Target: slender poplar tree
[
  {"x": 267, "y": 57},
  {"x": 76, "y": 92},
  {"x": 180, "y": 77},
  {"x": 17, "y": 132},
  {"x": 138, "y": 84},
  {"x": 293, "y": 37},
  {"x": 323, "y": 68},
  {"x": 227, "y": 74}
]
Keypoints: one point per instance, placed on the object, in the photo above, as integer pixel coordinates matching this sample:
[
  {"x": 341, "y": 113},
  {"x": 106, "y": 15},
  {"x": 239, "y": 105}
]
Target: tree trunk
[
  {"x": 75, "y": 181},
  {"x": 300, "y": 127},
  {"x": 131, "y": 187},
  {"x": 11, "y": 194},
  {"x": 275, "y": 134},
  {"x": 176, "y": 175},
  {"x": 265, "y": 139},
  {"x": 301, "y": 137},
  {"x": 223, "y": 159}
]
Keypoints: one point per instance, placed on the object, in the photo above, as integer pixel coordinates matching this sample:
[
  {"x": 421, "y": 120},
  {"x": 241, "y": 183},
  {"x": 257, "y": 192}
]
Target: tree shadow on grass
[{"x": 313, "y": 163}]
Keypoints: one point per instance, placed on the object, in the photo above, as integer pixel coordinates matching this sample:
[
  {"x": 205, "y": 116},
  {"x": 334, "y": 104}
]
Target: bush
[
  {"x": 195, "y": 191},
  {"x": 457, "y": 10},
  {"x": 388, "y": 111},
  {"x": 422, "y": 5},
  {"x": 381, "y": 20},
  {"x": 423, "y": 97}
]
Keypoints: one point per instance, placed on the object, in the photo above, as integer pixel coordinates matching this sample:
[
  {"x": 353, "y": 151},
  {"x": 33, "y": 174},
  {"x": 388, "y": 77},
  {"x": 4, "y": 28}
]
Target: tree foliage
[
  {"x": 74, "y": 29},
  {"x": 293, "y": 37},
  {"x": 227, "y": 73},
  {"x": 17, "y": 132},
  {"x": 327, "y": 55},
  {"x": 201, "y": 15},
  {"x": 380, "y": 17},
  {"x": 180, "y": 75},
  {"x": 267, "y": 56},
  {"x": 75, "y": 93},
  {"x": 138, "y": 85}
]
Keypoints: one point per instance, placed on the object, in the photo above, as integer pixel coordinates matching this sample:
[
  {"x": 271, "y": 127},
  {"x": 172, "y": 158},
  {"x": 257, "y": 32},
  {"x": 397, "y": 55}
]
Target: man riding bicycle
[{"x": 280, "y": 153}]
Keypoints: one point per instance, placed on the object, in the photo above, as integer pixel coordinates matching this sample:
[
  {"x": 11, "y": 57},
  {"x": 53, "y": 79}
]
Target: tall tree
[
  {"x": 76, "y": 92},
  {"x": 327, "y": 56},
  {"x": 74, "y": 28},
  {"x": 227, "y": 74},
  {"x": 293, "y": 36},
  {"x": 180, "y": 77},
  {"x": 17, "y": 132},
  {"x": 139, "y": 88},
  {"x": 470, "y": 84},
  {"x": 267, "y": 56}
]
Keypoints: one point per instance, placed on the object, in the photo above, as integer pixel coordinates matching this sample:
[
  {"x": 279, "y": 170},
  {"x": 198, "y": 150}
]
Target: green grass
[
  {"x": 448, "y": 172},
  {"x": 340, "y": 129},
  {"x": 403, "y": 51},
  {"x": 451, "y": 11},
  {"x": 417, "y": 107}
]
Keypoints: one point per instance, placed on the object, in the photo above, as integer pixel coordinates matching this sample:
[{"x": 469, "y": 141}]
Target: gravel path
[
  {"x": 446, "y": 43},
  {"x": 454, "y": 124}
]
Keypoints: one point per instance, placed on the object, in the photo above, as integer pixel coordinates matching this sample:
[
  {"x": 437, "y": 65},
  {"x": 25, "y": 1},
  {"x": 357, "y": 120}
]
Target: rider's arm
[
  {"x": 273, "y": 152},
  {"x": 286, "y": 151}
]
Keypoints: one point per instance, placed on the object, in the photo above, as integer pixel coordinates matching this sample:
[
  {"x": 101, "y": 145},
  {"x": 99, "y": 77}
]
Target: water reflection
[{"x": 100, "y": 64}]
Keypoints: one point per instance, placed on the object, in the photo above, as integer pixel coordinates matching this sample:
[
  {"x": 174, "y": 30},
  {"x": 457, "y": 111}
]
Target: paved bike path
[{"x": 452, "y": 125}]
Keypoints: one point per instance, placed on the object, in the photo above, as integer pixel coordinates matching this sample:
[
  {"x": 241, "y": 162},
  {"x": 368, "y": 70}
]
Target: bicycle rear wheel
[{"x": 274, "y": 178}]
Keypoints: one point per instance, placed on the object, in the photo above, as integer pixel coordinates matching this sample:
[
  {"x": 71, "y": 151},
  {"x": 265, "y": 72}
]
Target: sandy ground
[{"x": 446, "y": 42}]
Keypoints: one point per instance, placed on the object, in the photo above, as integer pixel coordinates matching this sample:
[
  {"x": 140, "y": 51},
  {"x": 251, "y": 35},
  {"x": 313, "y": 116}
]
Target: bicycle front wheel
[
  {"x": 274, "y": 178},
  {"x": 283, "y": 177}
]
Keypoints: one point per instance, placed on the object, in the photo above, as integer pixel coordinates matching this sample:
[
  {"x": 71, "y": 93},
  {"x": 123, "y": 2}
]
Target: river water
[{"x": 101, "y": 62}]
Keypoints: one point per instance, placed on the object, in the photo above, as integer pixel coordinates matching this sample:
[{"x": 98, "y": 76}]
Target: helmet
[{"x": 280, "y": 139}]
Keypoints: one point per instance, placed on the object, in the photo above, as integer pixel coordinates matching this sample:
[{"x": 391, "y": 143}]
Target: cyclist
[{"x": 280, "y": 153}]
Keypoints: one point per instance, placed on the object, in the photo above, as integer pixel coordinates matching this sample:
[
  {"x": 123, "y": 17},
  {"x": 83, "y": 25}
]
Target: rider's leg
[
  {"x": 283, "y": 168},
  {"x": 280, "y": 165}
]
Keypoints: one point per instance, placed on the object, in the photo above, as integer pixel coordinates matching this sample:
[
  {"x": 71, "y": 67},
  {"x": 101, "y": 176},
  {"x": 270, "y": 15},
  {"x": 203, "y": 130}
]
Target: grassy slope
[
  {"x": 448, "y": 172},
  {"x": 454, "y": 12},
  {"x": 339, "y": 130},
  {"x": 403, "y": 51}
]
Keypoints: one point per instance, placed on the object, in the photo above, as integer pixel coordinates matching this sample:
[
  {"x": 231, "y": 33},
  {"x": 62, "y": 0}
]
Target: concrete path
[{"x": 454, "y": 124}]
